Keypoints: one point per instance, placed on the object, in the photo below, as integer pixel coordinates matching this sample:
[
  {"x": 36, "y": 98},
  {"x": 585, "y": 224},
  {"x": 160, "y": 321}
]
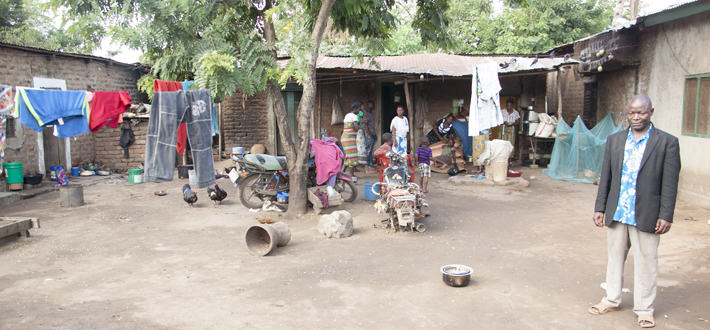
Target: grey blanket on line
[{"x": 169, "y": 110}]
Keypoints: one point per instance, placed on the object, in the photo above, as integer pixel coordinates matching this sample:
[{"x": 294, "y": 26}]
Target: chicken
[
  {"x": 216, "y": 193},
  {"x": 189, "y": 195}
]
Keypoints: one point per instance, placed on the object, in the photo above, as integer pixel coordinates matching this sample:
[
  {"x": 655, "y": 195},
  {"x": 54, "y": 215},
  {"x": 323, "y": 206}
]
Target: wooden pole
[
  {"x": 219, "y": 126},
  {"x": 559, "y": 95},
  {"x": 411, "y": 116}
]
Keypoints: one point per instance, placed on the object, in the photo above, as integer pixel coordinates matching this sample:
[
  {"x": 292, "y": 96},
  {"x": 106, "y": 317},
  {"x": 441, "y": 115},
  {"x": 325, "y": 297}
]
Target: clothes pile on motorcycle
[{"x": 328, "y": 159}]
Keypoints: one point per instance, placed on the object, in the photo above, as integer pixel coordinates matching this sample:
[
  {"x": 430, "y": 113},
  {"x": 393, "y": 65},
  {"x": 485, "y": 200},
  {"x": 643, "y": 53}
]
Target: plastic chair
[{"x": 383, "y": 162}]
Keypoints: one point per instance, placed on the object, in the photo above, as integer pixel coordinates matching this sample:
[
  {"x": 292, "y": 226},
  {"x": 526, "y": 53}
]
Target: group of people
[{"x": 359, "y": 123}]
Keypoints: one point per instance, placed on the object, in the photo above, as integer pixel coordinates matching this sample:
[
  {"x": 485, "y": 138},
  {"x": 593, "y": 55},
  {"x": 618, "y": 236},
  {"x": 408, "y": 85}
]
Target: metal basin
[{"x": 456, "y": 275}]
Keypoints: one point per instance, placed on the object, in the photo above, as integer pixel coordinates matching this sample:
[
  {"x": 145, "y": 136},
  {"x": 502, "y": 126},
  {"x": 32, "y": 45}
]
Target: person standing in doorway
[
  {"x": 349, "y": 138},
  {"x": 635, "y": 201},
  {"x": 400, "y": 128},
  {"x": 511, "y": 118},
  {"x": 368, "y": 125}
]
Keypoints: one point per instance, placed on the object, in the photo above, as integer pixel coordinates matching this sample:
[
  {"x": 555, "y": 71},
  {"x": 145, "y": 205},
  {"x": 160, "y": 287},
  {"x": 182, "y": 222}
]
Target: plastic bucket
[
  {"x": 75, "y": 171},
  {"x": 13, "y": 172},
  {"x": 369, "y": 195},
  {"x": 182, "y": 171},
  {"x": 193, "y": 176},
  {"x": 53, "y": 173},
  {"x": 135, "y": 176}
]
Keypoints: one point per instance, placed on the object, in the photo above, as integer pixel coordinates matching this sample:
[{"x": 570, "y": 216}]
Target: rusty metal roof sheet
[{"x": 438, "y": 64}]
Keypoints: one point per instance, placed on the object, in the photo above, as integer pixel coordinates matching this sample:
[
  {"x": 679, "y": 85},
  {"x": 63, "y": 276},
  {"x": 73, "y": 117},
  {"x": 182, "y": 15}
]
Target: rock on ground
[{"x": 338, "y": 224}]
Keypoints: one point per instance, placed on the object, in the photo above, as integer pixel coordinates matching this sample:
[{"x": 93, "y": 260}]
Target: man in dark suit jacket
[{"x": 635, "y": 201}]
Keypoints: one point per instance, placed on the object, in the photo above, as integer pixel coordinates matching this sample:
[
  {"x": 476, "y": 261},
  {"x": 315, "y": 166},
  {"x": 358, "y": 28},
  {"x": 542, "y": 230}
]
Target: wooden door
[{"x": 54, "y": 149}]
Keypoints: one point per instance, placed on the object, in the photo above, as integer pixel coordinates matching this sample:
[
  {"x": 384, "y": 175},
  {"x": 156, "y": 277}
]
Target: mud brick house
[
  {"x": 444, "y": 80},
  {"x": 33, "y": 67},
  {"x": 663, "y": 55}
]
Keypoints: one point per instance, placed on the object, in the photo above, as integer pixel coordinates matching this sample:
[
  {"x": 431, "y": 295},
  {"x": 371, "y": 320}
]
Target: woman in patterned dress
[{"x": 349, "y": 138}]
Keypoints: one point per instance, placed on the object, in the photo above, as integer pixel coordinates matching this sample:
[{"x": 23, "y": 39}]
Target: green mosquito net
[{"x": 578, "y": 152}]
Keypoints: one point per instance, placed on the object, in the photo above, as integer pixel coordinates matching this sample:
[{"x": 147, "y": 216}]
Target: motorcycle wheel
[
  {"x": 347, "y": 190},
  {"x": 248, "y": 196}
]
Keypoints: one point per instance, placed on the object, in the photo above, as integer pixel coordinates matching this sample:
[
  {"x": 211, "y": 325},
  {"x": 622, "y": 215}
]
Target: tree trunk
[
  {"x": 619, "y": 9},
  {"x": 297, "y": 151}
]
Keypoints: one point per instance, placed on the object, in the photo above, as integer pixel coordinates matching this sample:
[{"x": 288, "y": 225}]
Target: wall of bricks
[
  {"x": 91, "y": 73},
  {"x": 352, "y": 91},
  {"x": 245, "y": 124},
  {"x": 572, "y": 87},
  {"x": 111, "y": 154}
]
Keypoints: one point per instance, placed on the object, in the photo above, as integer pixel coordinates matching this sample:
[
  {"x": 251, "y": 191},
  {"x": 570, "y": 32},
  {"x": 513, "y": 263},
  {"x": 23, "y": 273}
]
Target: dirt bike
[
  {"x": 262, "y": 177},
  {"x": 400, "y": 199}
]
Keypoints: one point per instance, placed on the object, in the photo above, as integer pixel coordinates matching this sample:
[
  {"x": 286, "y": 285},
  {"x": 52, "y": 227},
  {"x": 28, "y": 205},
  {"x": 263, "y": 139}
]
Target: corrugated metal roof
[
  {"x": 437, "y": 64},
  {"x": 668, "y": 8},
  {"x": 74, "y": 55}
]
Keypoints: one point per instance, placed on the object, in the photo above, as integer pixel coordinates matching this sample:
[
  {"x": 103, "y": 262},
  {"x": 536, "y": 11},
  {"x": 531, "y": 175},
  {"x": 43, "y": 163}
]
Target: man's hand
[
  {"x": 662, "y": 226},
  {"x": 598, "y": 219}
]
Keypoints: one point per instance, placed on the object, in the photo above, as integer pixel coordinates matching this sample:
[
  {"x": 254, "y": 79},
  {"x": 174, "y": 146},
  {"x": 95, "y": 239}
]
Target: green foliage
[
  {"x": 420, "y": 26},
  {"x": 26, "y": 23},
  {"x": 12, "y": 13},
  {"x": 526, "y": 26},
  {"x": 145, "y": 84},
  {"x": 213, "y": 42}
]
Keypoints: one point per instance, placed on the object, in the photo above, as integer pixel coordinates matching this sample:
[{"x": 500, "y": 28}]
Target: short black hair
[
  {"x": 387, "y": 137},
  {"x": 356, "y": 105}
]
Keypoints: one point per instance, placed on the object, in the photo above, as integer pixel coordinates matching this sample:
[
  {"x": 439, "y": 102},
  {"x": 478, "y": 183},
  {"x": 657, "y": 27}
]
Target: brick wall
[
  {"x": 572, "y": 95},
  {"x": 111, "y": 154},
  {"x": 93, "y": 74},
  {"x": 352, "y": 91},
  {"x": 245, "y": 124}
]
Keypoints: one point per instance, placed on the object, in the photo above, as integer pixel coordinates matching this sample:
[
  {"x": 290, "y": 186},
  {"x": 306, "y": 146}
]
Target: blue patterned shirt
[{"x": 633, "y": 154}]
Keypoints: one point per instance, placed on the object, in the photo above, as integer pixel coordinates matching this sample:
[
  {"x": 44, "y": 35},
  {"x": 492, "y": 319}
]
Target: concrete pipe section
[{"x": 262, "y": 239}]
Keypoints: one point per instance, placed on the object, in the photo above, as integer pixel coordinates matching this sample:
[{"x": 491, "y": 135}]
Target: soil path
[{"x": 131, "y": 260}]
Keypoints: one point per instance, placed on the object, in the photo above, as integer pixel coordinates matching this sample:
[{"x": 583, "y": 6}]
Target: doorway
[
  {"x": 54, "y": 149},
  {"x": 392, "y": 97}
]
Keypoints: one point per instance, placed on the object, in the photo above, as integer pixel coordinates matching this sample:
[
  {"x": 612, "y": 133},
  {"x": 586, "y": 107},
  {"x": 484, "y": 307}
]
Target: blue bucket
[
  {"x": 75, "y": 171},
  {"x": 369, "y": 196}
]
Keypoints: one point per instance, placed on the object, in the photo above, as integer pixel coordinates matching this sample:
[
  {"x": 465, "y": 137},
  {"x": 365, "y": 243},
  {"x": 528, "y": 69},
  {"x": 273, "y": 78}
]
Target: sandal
[
  {"x": 646, "y": 321},
  {"x": 601, "y": 308}
]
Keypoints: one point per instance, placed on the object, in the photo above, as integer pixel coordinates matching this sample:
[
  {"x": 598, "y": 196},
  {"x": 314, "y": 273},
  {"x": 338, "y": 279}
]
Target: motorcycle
[
  {"x": 262, "y": 177},
  {"x": 400, "y": 199}
]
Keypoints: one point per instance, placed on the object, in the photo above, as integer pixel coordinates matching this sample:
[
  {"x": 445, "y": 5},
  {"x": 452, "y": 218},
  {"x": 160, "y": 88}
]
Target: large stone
[
  {"x": 338, "y": 224},
  {"x": 523, "y": 183}
]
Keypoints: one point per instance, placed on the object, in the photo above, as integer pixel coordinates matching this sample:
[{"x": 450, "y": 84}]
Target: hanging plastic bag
[{"x": 337, "y": 116}]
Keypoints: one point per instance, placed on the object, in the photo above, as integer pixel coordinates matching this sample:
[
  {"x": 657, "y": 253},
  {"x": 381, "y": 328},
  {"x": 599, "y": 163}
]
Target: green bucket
[
  {"x": 13, "y": 172},
  {"x": 135, "y": 176}
]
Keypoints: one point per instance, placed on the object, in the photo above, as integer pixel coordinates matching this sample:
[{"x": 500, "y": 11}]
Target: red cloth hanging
[
  {"x": 173, "y": 86},
  {"x": 106, "y": 109}
]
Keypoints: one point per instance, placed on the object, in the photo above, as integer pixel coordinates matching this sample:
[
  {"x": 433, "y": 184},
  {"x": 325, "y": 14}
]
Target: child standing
[{"x": 422, "y": 157}]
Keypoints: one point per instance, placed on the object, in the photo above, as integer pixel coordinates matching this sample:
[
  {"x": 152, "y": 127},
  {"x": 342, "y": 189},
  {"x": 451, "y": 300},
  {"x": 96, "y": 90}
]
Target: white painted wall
[{"x": 685, "y": 48}]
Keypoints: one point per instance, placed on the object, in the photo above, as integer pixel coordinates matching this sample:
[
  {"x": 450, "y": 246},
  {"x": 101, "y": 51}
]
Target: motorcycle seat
[{"x": 268, "y": 162}]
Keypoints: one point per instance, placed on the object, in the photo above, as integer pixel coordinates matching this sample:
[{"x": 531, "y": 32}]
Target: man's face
[{"x": 639, "y": 115}]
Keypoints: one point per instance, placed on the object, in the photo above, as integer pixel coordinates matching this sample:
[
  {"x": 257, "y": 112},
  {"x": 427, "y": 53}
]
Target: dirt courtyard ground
[{"x": 131, "y": 260}]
